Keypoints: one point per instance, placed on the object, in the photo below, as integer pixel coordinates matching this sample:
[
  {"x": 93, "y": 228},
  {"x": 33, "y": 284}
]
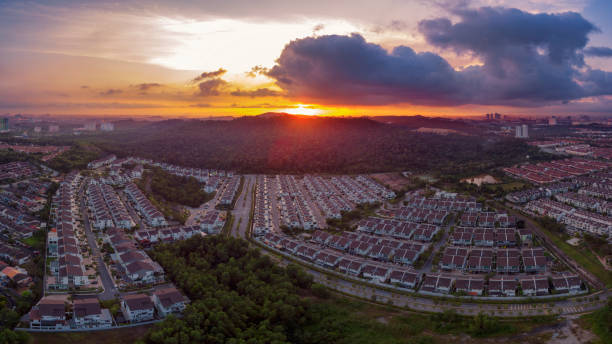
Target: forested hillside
[
  {"x": 239, "y": 295},
  {"x": 290, "y": 144}
]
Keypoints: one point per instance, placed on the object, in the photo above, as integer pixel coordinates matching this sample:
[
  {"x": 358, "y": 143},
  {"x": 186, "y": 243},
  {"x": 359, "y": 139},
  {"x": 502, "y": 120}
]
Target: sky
[{"x": 318, "y": 57}]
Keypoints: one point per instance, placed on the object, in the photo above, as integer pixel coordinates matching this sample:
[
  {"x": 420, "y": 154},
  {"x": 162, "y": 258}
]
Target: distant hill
[
  {"x": 282, "y": 143},
  {"x": 416, "y": 122}
]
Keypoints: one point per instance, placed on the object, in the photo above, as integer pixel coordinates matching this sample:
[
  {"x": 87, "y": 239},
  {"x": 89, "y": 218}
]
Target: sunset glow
[
  {"x": 342, "y": 59},
  {"x": 302, "y": 109}
]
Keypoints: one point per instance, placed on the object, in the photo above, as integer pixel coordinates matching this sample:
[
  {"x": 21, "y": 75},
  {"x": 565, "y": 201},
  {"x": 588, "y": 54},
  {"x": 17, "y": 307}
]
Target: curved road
[{"x": 370, "y": 291}]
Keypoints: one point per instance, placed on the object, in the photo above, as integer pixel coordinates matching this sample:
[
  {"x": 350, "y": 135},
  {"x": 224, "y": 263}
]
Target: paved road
[
  {"x": 107, "y": 282},
  {"x": 436, "y": 247},
  {"x": 371, "y": 292},
  {"x": 531, "y": 224},
  {"x": 242, "y": 208},
  {"x": 384, "y": 295}
]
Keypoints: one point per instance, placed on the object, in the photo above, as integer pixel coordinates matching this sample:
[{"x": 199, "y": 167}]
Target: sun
[{"x": 303, "y": 109}]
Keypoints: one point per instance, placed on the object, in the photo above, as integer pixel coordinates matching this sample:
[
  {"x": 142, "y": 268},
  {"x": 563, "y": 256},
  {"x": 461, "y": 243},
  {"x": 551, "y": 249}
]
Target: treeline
[
  {"x": 239, "y": 295},
  {"x": 77, "y": 157},
  {"x": 177, "y": 189},
  {"x": 308, "y": 145},
  {"x": 8, "y": 320}
]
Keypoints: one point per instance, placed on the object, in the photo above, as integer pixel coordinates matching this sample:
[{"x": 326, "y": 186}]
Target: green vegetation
[
  {"x": 600, "y": 322},
  {"x": 176, "y": 189},
  {"x": 290, "y": 144},
  {"x": 348, "y": 219},
  {"x": 37, "y": 240},
  {"x": 9, "y": 155},
  {"x": 168, "y": 192},
  {"x": 423, "y": 257},
  {"x": 45, "y": 213},
  {"x": 597, "y": 244},
  {"x": 118, "y": 336},
  {"x": 585, "y": 257},
  {"x": 76, "y": 158},
  {"x": 227, "y": 226},
  {"x": 239, "y": 296},
  {"x": 112, "y": 305},
  {"x": 8, "y": 320}
]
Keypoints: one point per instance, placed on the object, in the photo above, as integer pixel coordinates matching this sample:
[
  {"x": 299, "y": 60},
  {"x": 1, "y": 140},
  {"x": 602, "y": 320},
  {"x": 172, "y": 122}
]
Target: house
[
  {"x": 502, "y": 286},
  {"x": 169, "y": 301},
  {"x": 454, "y": 258},
  {"x": 480, "y": 261},
  {"x": 405, "y": 256},
  {"x": 505, "y": 237},
  {"x": 404, "y": 278},
  {"x": 437, "y": 283},
  {"x": 566, "y": 283},
  {"x": 87, "y": 313},
  {"x": 49, "y": 313},
  {"x": 534, "y": 260},
  {"x": 137, "y": 307},
  {"x": 17, "y": 275},
  {"x": 484, "y": 238},
  {"x": 534, "y": 285},
  {"x": 461, "y": 238},
  {"x": 146, "y": 272},
  {"x": 376, "y": 272},
  {"x": 470, "y": 285},
  {"x": 508, "y": 261}
]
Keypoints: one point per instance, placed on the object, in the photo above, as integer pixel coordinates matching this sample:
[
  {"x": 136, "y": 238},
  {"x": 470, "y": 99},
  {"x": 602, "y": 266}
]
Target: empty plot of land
[{"x": 393, "y": 180}]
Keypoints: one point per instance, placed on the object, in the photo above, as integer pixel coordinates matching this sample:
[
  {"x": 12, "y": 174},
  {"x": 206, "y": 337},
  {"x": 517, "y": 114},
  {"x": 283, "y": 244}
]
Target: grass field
[
  {"x": 369, "y": 323},
  {"x": 119, "y": 336},
  {"x": 584, "y": 257},
  {"x": 507, "y": 187}
]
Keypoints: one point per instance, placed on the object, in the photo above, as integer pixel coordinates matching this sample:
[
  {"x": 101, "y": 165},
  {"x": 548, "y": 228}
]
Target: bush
[{"x": 320, "y": 290}]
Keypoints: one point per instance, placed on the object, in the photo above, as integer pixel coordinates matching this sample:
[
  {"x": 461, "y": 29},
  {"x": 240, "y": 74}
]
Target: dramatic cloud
[
  {"x": 209, "y": 75},
  {"x": 598, "y": 51},
  {"x": 491, "y": 32},
  {"x": 211, "y": 87},
  {"x": 260, "y": 92},
  {"x": 528, "y": 60},
  {"x": 257, "y": 70},
  {"x": 111, "y": 92},
  {"x": 147, "y": 86}
]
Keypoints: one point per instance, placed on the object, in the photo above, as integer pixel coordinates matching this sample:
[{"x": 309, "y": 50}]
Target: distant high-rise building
[
  {"x": 37, "y": 129},
  {"x": 493, "y": 116},
  {"x": 4, "y": 123},
  {"x": 522, "y": 131},
  {"x": 53, "y": 128},
  {"x": 107, "y": 126},
  {"x": 91, "y": 126}
]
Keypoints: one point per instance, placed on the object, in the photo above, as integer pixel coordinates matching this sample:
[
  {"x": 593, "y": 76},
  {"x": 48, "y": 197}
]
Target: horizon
[{"x": 146, "y": 58}]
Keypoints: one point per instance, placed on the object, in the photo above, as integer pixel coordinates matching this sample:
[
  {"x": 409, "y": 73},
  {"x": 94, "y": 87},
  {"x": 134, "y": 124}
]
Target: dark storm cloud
[
  {"x": 211, "y": 87},
  {"x": 598, "y": 51},
  {"x": 528, "y": 60},
  {"x": 209, "y": 75},
  {"x": 260, "y": 92},
  {"x": 490, "y": 31},
  {"x": 350, "y": 70}
]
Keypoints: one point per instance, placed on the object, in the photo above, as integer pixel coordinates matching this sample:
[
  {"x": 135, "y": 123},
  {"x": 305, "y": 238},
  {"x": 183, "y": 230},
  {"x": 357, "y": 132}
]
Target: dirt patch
[{"x": 394, "y": 180}]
